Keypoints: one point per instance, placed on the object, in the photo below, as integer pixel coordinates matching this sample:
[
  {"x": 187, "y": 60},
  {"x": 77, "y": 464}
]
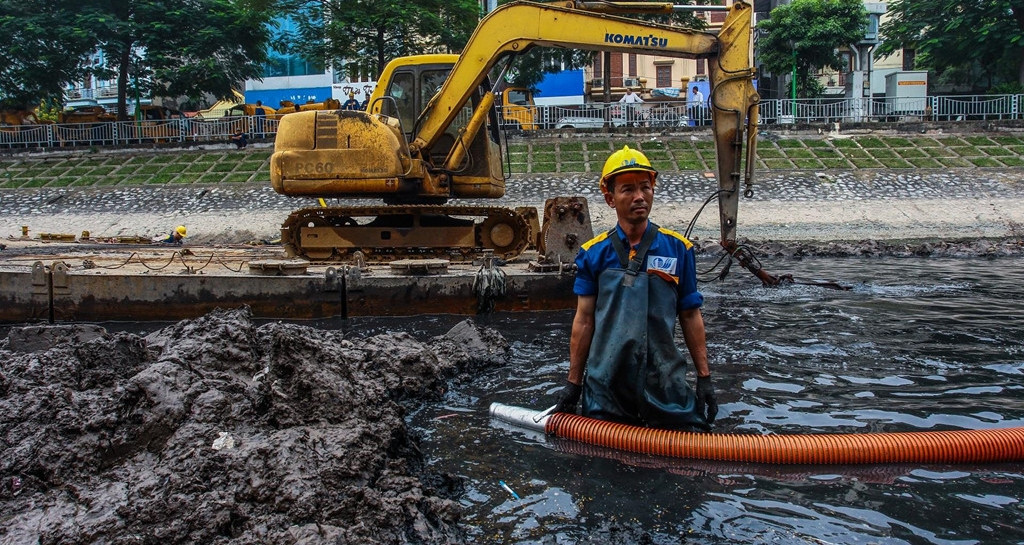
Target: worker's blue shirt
[{"x": 670, "y": 256}]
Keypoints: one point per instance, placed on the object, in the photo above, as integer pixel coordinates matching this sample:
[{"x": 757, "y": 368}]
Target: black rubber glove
[
  {"x": 706, "y": 400},
  {"x": 567, "y": 398}
]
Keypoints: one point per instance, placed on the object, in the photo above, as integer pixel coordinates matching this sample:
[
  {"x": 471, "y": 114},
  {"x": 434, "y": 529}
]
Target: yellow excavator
[{"x": 430, "y": 135}]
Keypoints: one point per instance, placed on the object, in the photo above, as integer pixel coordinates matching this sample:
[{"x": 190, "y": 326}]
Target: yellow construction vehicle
[
  {"x": 518, "y": 110},
  {"x": 430, "y": 135},
  {"x": 288, "y": 106}
]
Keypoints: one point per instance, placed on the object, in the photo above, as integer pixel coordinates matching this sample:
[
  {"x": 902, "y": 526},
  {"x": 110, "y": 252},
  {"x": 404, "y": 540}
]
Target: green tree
[
  {"x": 43, "y": 48},
  {"x": 178, "y": 48},
  {"x": 369, "y": 33},
  {"x": 809, "y": 32},
  {"x": 960, "y": 41}
]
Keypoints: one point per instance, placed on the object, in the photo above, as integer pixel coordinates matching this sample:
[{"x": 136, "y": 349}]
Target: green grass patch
[
  {"x": 149, "y": 169},
  {"x": 136, "y": 179},
  {"x": 570, "y": 146},
  {"x": 173, "y": 168},
  {"x": 163, "y": 159},
  {"x": 939, "y": 152},
  {"x": 767, "y": 153},
  {"x": 652, "y": 146},
  {"x": 543, "y": 157},
  {"x": 997, "y": 152},
  {"x": 103, "y": 170},
  {"x": 953, "y": 162},
  {"x": 1012, "y": 161},
  {"x": 689, "y": 164},
  {"x": 11, "y": 183},
  {"x": 790, "y": 143},
  {"x": 835, "y": 163},
  {"x": 211, "y": 178},
  {"x": 984, "y": 162},
  {"x": 162, "y": 179},
  {"x": 951, "y": 141},
  {"x": 909, "y": 153},
  {"x": 36, "y": 182},
  {"x": 137, "y": 160},
  {"x": 543, "y": 147},
  {"x": 600, "y": 147},
  {"x": 197, "y": 167},
  {"x": 704, "y": 145},
  {"x": 223, "y": 167},
  {"x": 925, "y": 142},
  {"x": 895, "y": 162},
  {"x": 544, "y": 167},
  {"x": 79, "y": 171},
  {"x": 1019, "y": 150},
  {"x": 778, "y": 164},
  {"x": 127, "y": 169},
  {"x": 687, "y": 155},
  {"x": 893, "y": 142},
  {"x": 680, "y": 144},
  {"x": 826, "y": 153},
  {"x": 87, "y": 181},
  {"x": 571, "y": 156},
  {"x": 61, "y": 182},
  {"x": 252, "y": 166},
  {"x": 845, "y": 143},
  {"x": 855, "y": 153},
  {"x": 573, "y": 166},
  {"x": 807, "y": 163},
  {"x": 660, "y": 155},
  {"x": 924, "y": 162},
  {"x": 866, "y": 162},
  {"x": 882, "y": 153},
  {"x": 1008, "y": 140},
  {"x": 212, "y": 158},
  {"x": 518, "y": 148},
  {"x": 978, "y": 140},
  {"x": 186, "y": 178},
  {"x": 185, "y": 157},
  {"x": 871, "y": 142},
  {"x": 799, "y": 153},
  {"x": 34, "y": 172},
  {"x": 816, "y": 143},
  {"x": 237, "y": 178},
  {"x": 661, "y": 165},
  {"x": 968, "y": 151}
]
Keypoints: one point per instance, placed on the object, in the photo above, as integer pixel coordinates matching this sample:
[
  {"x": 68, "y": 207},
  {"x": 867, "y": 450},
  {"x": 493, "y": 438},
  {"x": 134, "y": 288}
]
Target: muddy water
[
  {"x": 222, "y": 430},
  {"x": 917, "y": 344}
]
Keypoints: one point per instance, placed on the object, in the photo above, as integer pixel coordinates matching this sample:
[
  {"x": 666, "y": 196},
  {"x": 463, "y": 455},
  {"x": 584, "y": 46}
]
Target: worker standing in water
[
  {"x": 632, "y": 283},
  {"x": 177, "y": 236}
]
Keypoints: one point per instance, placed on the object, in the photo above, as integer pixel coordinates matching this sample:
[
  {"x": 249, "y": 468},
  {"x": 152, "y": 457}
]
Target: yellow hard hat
[
  {"x": 181, "y": 230},
  {"x": 625, "y": 160}
]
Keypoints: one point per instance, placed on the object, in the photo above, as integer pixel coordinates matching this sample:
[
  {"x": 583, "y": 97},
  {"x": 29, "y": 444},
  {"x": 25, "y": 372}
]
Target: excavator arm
[{"x": 517, "y": 26}]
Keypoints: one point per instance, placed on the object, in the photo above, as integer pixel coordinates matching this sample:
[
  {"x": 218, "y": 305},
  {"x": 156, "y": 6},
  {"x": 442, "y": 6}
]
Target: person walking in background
[
  {"x": 259, "y": 116},
  {"x": 696, "y": 106},
  {"x": 632, "y": 284},
  {"x": 631, "y": 101}
]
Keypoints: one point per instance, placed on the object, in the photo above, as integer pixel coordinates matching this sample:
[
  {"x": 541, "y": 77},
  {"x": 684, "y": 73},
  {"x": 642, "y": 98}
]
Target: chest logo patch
[{"x": 666, "y": 265}]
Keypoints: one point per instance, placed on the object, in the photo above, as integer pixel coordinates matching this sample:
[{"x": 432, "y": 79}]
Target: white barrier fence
[{"x": 586, "y": 116}]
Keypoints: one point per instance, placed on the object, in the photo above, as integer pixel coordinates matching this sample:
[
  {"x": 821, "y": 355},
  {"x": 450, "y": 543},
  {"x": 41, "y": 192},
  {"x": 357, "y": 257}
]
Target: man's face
[{"x": 632, "y": 196}]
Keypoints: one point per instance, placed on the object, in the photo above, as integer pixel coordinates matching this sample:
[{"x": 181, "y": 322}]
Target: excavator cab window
[{"x": 401, "y": 89}]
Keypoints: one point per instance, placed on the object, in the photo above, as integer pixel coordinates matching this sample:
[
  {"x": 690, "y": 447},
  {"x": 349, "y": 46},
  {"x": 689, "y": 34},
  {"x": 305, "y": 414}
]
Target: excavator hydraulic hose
[{"x": 925, "y": 447}]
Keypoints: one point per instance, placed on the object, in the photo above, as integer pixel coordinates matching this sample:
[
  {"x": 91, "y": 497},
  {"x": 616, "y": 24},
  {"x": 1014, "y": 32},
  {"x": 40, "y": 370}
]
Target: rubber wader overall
[{"x": 635, "y": 373}]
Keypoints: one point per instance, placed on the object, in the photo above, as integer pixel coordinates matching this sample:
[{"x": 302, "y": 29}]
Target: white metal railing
[{"x": 669, "y": 114}]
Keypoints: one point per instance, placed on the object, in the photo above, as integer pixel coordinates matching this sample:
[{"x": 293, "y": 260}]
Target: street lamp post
[{"x": 793, "y": 85}]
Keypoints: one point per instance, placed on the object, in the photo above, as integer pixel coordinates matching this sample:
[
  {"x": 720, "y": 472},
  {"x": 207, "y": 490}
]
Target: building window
[
  {"x": 700, "y": 67},
  {"x": 282, "y": 64},
  {"x": 664, "y": 76},
  {"x": 632, "y": 65}
]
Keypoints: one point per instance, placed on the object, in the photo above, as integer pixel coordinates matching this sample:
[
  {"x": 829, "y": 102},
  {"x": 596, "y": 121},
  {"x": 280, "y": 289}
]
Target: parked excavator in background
[
  {"x": 518, "y": 111},
  {"x": 431, "y": 135}
]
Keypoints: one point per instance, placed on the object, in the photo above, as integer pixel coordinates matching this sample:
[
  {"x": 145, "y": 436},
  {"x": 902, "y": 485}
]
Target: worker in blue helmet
[{"x": 633, "y": 282}]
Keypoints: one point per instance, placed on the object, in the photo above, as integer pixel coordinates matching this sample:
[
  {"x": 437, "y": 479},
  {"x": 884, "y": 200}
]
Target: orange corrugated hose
[{"x": 928, "y": 447}]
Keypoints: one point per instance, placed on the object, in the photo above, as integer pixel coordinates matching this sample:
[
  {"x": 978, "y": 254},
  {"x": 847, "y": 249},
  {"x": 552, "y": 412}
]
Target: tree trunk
[{"x": 122, "y": 83}]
